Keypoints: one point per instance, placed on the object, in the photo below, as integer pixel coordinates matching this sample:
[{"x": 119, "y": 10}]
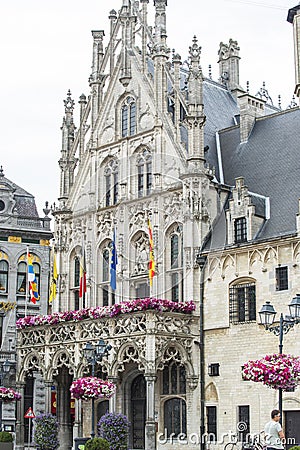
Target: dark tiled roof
[
  {"x": 270, "y": 165},
  {"x": 25, "y": 203}
]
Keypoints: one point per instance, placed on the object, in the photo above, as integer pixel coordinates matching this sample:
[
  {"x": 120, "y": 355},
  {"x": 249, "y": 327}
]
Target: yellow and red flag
[{"x": 151, "y": 254}]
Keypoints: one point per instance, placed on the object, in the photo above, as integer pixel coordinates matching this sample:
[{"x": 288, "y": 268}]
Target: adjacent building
[{"x": 22, "y": 231}]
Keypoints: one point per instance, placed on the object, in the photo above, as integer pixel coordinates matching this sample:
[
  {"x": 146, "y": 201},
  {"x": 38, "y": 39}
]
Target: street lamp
[
  {"x": 4, "y": 369},
  {"x": 267, "y": 316},
  {"x": 94, "y": 354}
]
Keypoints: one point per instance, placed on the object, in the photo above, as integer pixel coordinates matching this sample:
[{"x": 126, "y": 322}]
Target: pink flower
[
  {"x": 92, "y": 387},
  {"x": 9, "y": 395},
  {"x": 108, "y": 311},
  {"x": 275, "y": 371}
]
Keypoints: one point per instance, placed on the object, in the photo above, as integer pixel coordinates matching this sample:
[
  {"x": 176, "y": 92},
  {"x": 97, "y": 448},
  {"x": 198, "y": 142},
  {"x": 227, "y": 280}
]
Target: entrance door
[
  {"x": 138, "y": 412},
  {"x": 292, "y": 428}
]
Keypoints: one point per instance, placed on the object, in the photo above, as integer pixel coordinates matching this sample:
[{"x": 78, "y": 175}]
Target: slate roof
[
  {"x": 270, "y": 164},
  {"x": 25, "y": 203}
]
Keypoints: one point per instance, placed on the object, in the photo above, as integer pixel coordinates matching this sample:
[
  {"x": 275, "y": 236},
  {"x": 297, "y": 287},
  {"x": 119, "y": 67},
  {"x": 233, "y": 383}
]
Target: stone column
[
  {"x": 48, "y": 385},
  {"x": 20, "y": 419},
  {"x": 112, "y": 400},
  {"x": 150, "y": 430},
  {"x": 63, "y": 399}
]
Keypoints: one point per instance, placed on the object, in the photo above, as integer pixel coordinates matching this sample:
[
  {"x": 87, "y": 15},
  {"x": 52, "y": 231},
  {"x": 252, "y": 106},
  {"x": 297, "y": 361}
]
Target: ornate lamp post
[
  {"x": 94, "y": 354},
  {"x": 267, "y": 316},
  {"x": 4, "y": 369}
]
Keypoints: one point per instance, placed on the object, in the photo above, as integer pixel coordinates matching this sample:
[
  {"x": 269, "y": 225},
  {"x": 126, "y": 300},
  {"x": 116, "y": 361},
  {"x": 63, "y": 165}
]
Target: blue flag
[{"x": 114, "y": 262}]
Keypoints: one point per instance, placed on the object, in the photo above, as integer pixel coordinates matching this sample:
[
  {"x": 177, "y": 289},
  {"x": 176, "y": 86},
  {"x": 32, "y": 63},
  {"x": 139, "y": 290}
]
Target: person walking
[{"x": 274, "y": 435}]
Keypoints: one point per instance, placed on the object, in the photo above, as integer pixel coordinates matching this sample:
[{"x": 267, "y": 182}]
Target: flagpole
[{"x": 27, "y": 282}]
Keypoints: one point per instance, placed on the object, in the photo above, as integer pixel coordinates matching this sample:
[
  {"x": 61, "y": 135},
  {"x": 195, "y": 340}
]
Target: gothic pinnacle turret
[{"x": 67, "y": 162}]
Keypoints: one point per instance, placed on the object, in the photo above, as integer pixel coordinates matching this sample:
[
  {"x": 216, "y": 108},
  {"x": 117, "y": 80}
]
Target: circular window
[{"x": 2, "y": 205}]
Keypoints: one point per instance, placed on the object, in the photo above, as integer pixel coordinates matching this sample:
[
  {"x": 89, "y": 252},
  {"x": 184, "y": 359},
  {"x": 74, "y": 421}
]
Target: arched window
[
  {"x": 128, "y": 117},
  {"x": 22, "y": 289},
  {"x": 21, "y": 278},
  {"x": 144, "y": 172},
  {"x": 242, "y": 302},
  {"x": 111, "y": 177},
  {"x": 174, "y": 384},
  {"x": 3, "y": 276}
]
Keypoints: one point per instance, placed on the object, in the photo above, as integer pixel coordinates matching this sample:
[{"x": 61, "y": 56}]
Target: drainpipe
[{"x": 201, "y": 262}]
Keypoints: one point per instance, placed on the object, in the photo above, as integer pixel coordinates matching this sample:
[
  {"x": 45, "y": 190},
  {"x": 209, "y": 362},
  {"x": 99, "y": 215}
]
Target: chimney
[
  {"x": 294, "y": 18},
  {"x": 229, "y": 61},
  {"x": 250, "y": 108}
]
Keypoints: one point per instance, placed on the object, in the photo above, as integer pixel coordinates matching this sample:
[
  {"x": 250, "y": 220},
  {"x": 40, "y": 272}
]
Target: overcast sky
[{"x": 46, "y": 49}]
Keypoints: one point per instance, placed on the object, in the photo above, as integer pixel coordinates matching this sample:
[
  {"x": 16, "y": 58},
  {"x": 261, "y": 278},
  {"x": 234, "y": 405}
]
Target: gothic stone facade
[{"x": 216, "y": 170}]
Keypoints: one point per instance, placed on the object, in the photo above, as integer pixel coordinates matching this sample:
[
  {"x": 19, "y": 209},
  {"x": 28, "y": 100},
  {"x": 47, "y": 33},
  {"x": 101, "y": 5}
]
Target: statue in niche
[{"x": 141, "y": 255}]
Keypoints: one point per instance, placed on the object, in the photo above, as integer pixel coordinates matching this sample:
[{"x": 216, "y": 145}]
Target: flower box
[{"x": 91, "y": 387}]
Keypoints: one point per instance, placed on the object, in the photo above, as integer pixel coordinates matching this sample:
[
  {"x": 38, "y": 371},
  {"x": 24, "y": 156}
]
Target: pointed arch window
[
  {"x": 3, "y": 276},
  {"x": 128, "y": 117},
  {"x": 144, "y": 171},
  {"x": 111, "y": 177},
  {"x": 174, "y": 384}
]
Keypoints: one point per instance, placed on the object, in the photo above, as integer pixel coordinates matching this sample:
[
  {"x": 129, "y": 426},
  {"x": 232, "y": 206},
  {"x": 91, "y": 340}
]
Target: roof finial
[
  {"x": 1, "y": 172},
  {"x": 209, "y": 71},
  {"x": 279, "y": 101},
  {"x": 247, "y": 86}
]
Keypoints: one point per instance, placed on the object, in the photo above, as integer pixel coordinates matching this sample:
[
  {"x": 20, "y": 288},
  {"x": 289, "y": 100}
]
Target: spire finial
[{"x": 69, "y": 103}]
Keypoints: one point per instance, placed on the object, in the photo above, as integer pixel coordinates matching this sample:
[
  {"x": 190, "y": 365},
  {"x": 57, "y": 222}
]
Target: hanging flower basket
[
  {"x": 8, "y": 395},
  {"x": 91, "y": 387},
  {"x": 275, "y": 371}
]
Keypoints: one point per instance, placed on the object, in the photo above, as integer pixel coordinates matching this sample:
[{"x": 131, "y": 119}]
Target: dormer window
[
  {"x": 240, "y": 230},
  {"x": 128, "y": 117}
]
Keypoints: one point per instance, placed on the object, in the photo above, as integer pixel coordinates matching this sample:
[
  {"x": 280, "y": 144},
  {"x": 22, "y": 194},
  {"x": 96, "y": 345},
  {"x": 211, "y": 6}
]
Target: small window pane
[
  {"x": 107, "y": 190},
  {"x": 124, "y": 121},
  {"x": 105, "y": 296},
  {"x": 115, "y": 199},
  {"x": 132, "y": 119},
  {"x": 21, "y": 278},
  {"x": 3, "y": 276},
  {"x": 140, "y": 180},
  {"x": 174, "y": 251},
  {"x": 242, "y": 303},
  {"x": 175, "y": 288},
  {"x": 105, "y": 268},
  {"x": 282, "y": 278},
  {"x": 240, "y": 230},
  {"x": 76, "y": 272}
]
